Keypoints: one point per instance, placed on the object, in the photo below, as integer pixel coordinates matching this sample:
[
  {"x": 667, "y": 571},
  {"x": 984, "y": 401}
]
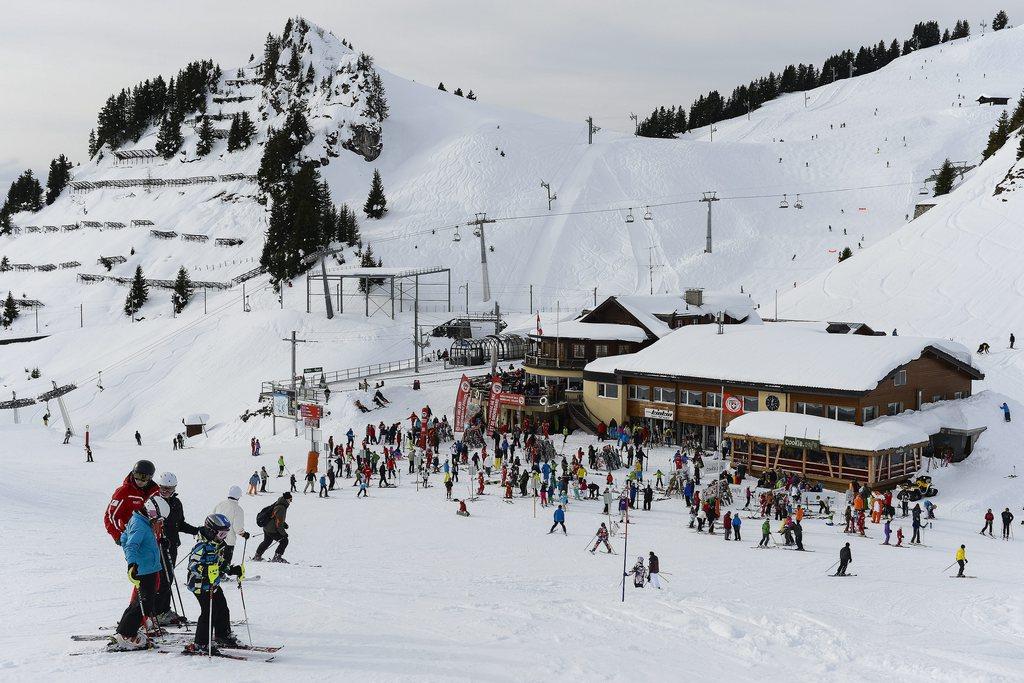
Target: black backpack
[{"x": 263, "y": 516}]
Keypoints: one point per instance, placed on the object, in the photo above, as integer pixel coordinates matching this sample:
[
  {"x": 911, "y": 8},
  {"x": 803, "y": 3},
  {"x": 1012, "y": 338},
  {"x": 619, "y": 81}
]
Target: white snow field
[{"x": 406, "y": 589}]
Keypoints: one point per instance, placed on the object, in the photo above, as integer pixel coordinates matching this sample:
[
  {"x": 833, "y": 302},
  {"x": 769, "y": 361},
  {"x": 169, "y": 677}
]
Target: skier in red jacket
[{"x": 136, "y": 488}]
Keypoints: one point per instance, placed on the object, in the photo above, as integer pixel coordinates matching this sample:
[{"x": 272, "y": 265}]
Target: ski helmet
[
  {"x": 217, "y": 525},
  {"x": 167, "y": 480},
  {"x": 157, "y": 508},
  {"x": 235, "y": 492},
  {"x": 144, "y": 468}
]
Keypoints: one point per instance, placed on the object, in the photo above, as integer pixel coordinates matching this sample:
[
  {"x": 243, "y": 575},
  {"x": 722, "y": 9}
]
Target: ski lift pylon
[
  {"x": 629, "y": 215},
  {"x": 784, "y": 204}
]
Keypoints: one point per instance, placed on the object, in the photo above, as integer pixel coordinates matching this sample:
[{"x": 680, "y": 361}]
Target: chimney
[{"x": 694, "y": 296}]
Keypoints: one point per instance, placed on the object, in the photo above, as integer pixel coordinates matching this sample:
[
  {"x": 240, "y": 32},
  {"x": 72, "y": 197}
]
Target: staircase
[{"x": 581, "y": 417}]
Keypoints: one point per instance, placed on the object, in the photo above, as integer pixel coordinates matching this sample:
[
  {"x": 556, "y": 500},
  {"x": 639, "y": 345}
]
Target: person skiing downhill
[
  {"x": 845, "y": 558},
  {"x": 559, "y": 520},
  {"x": 136, "y": 488},
  {"x": 1007, "y": 518},
  {"x": 653, "y": 567},
  {"x": 989, "y": 518},
  {"x": 142, "y": 553},
  {"x": 602, "y": 537},
  {"x": 766, "y": 534},
  {"x": 206, "y": 571},
  {"x": 280, "y": 466},
  {"x": 230, "y": 508},
  {"x": 275, "y": 529},
  {"x": 961, "y": 559}
]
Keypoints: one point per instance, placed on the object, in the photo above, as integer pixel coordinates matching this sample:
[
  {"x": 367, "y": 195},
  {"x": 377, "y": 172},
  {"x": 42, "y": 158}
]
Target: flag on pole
[{"x": 732, "y": 404}]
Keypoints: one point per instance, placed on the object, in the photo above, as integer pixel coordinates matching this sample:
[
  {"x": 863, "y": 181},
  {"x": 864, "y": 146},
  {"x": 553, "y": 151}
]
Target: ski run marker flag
[{"x": 461, "y": 403}]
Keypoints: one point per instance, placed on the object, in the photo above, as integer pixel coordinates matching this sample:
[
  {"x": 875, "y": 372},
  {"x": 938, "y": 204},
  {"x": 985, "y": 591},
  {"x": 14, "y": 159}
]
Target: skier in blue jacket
[
  {"x": 559, "y": 520},
  {"x": 142, "y": 552},
  {"x": 736, "y": 523},
  {"x": 206, "y": 571}
]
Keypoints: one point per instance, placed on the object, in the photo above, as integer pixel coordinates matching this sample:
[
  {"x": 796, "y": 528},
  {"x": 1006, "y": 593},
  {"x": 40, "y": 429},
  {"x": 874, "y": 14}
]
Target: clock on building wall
[{"x": 771, "y": 403}]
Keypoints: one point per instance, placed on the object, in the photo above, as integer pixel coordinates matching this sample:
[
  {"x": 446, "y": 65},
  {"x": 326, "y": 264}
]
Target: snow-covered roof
[
  {"x": 575, "y": 329},
  {"x": 781, "y": 354},
  {"x": 871, "y": 437},
  {"x": 646, "y": 309},
  {"x": 197, "y": 419},
  {"x": 608, "y": 363}
]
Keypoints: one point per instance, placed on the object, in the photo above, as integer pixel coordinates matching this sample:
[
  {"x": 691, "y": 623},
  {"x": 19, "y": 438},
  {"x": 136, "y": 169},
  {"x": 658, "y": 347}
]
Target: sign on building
[
  {"x": 284, "y": 405},
  {"x": 659, "y": 414},
  {"x": 508, "y": 398},
  {"x": 309, "y": 371},
  {"x": 310, "y": 414},
  {"x": 798, "y": 442}
]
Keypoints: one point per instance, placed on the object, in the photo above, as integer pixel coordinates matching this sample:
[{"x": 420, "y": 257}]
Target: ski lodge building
[
  {"x": 618, "y": 325},
  {"x": 797, "y": 396}
]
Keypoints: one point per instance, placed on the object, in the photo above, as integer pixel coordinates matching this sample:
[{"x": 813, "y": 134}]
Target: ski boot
[
  {"x": 196, "y": 649},
  {"x": 256, "y": 558},
  {"x": 169, "y": 618},
  {"x": 278, "y": 558},
  {"x": 120, "y": 643},
  {"x": 229, "y": 641}
]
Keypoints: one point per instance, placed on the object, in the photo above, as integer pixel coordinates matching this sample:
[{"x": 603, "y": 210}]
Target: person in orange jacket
[
  {"x": 858, "y": 503},
  {"x": 876, "y": 510},
  {"x": 799, "y": 513}
]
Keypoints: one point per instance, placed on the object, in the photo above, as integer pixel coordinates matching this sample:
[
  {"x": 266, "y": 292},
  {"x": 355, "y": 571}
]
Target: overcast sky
[{"x": 62, "y": 58}]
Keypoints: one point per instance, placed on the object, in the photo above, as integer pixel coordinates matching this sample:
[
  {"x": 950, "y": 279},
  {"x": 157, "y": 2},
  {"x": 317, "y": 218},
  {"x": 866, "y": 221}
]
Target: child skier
[
  {"x": 142, "y": 552},
  {"x": 602, "y": 537},
  {"x": 639, "y": 573},
  {"x": 206, "y": 570}
]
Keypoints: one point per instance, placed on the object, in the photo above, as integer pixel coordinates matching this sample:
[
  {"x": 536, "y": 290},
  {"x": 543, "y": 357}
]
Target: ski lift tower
[{"x": 709, "y": 197}]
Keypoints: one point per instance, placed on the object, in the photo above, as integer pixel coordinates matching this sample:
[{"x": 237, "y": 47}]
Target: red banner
[
  {"x": 461, "y": 403},
  {"x": 511, "y": 399},
  {"x": 732, "y": 405},
  {"x": 493, "y": 405}
]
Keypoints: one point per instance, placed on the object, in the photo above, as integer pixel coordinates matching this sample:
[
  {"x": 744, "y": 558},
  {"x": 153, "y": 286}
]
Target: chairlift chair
[
  {"x": 476, "y": 232},
  {"x": 629, "y": 216},
  {"x": 923, "y": 190},
  {"x": 648, "y": 216},
  {"x": 784, "y": 204},
  {"x": 456, "y": 237},
  {"x": 798, "y": 204}
]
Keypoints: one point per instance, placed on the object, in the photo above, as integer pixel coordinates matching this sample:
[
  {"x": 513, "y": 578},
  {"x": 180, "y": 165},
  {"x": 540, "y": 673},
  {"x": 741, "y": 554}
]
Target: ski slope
[{"x": 408, "y": 590}]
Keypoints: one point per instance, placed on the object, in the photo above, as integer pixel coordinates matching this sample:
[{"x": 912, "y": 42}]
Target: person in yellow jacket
[{"x": 961, "y": 559}]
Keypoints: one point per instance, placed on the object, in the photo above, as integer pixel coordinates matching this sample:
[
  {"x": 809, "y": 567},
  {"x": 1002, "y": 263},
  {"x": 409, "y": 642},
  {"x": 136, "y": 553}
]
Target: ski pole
[
  {"x": 830, "y": 568},
  {"x": 241, "y": 594},
  {"x": 166, "y": 575},
  {"x": 950, "y": 566},
  {"x": 588, "y": 542},
  {"x": 209, "y": 624}
]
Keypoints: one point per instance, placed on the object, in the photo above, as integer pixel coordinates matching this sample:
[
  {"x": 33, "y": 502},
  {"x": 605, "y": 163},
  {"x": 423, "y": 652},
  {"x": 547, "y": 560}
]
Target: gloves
[
  {"x": 235, "y": 570},
  {"x": 244, "y": 534},
  {"x": 133, "y": 575}
]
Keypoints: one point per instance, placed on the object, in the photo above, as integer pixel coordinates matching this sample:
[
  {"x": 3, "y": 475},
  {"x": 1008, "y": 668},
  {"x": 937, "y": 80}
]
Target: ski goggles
[
  {"x": 141, "y": 478},
  {"x": 222, "y": 534}
]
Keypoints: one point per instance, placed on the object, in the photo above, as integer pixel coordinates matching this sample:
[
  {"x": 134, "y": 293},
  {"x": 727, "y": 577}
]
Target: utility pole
[
  {"x": 636, "y": 124},
  {"x": 531, "y": 298},
  {"x": 651, "y": 265},
  {"x": 833, "y": 74},
  {"x": 416, "y": 327},
  {"x": 551, "y": 197},
  {"x": 709, "y": 197},
  {"x": 204, "y": 300},
  {"x": 497, "y": 318},
  {"x": 293, "y": 341},
  {"x": 595, "y": 296},
  {"x": 481, "y": 220},
  {"x": 712, "y": 129},
  {"x": 805, "y": 99},
  {"x": 81, "y": 315},
  {"x": 984, "y": 24},
  {"x": 748, "y": 110},
  {"x": 591, "y": 129},
  {"x": 851, "y": 70},
  {"x": 466, "y": 287}
]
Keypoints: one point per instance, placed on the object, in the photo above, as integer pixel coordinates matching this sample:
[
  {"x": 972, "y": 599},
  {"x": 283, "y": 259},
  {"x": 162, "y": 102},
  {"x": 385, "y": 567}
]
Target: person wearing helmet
[
  {"x": 206, "y": 570},
  {"x": 230, "y": 508},
  {"x": 173, "y": 525},
  {"x": 136, "y": 488},
  {"x": 276, "y": 529},
  {"x": 142, "y": 552}
]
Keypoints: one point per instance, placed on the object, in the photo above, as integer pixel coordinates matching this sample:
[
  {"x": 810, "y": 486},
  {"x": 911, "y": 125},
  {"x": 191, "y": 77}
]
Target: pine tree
[
  {"x": 246, "y": 130},
  {"x": 366, "y": 260},
  {"x": 169, "y": 140},
  {"x": 233, "y": 142},
  {"x": 350, "y": 226},
  {"x": 58, "y": 178},
  {"x": 11, "y": 312},
  {"x": 458, "y": 91},
  {"x": 205, "y": 133},
  {"x": 94, "y": 145},
  {"x": 376, "y": 203},
  {"x": 944, "y": 179},
  {"x": 138, "y": 294},
  {"x": 5, "y": 224},
  {"x": 294, "y": 67},
  {"x": 845, "y": 254},
  {"x": 183, "y": 290},
  {"x": 440, "y": 86},
  {"x": 998, "y": 137},
  {"x": 1020, "y": 153},
  {"x": 471, "y": 95},
  {"x": 1000, "y": 21},
  {"x": 376, "y": 100},
  {"x": 5, "y": 265},
  {"x": 1017, "y": 117},
  {"x": 271, "y": 56},
  {"x": 25, "y": 194}
]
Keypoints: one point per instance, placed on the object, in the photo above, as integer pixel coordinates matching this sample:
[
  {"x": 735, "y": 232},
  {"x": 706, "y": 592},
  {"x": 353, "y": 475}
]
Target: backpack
[{"x": 263, "y": 516}]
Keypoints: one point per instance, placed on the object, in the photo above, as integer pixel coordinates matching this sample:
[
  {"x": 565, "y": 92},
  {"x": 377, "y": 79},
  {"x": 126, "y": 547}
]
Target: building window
[
  {"x": 900, "y": 379},
  {"x": 691, "y": 398},
  {"x": 579, "y": 350},
  {"x": 600, "y": 350},
  {"x": 842, "y": 413},
  {"x": 605, "y": 390},
  {"x": 816, "y": 409},
  {"x": 750, "y": 404},
  {"x": 714, "y": 400},
  {"x": 894, "y": 408},
  {"x": 639, "y": 392},
  {"x": 870, "y": 413},
  {"x": 575, "y": 384},
  {"x": 664, "y": 395},
  {"x": 958, "y": 394}
]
